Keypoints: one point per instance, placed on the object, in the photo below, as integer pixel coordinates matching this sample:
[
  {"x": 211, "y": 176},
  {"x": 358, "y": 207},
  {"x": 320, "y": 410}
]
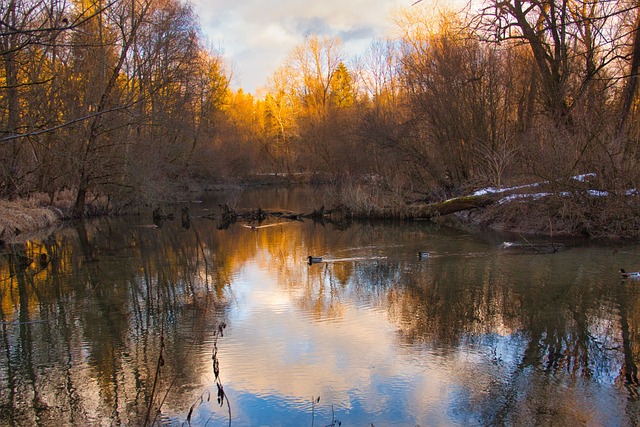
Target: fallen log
[
  {"x": 340, "y": 213},
  {"x": 459, "y": 204},
  {"x": 431, "y": 210}
]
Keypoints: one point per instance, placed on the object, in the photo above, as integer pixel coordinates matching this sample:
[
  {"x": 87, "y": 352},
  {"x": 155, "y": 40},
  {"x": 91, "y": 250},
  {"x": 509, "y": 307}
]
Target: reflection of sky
[
  {"x": 387, "y": 339},
  {"x": 277, "y": 354},
  {"x": 352, "y": 363}
]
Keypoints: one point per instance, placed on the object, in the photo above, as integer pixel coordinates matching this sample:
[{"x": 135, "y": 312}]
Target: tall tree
[
  {"x": 312, "y": 66},
  {"x": 29, "y": 33},
  {"x": 463, "y": 103},
  {"x": 631, "y": 85},
  {"x": 567, "y": 38},
  {"x": 282, "y": 108},
  {"x": 110, "y": 42},
  {"x": 342, "y": 90}
]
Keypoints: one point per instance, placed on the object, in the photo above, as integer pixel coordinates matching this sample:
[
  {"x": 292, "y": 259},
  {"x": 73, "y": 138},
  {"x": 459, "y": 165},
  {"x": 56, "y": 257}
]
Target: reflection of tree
[
  {"x": 90, "y": 322},
  {"x": 540, "y": 327},
  {"x": 629, "y": 325},
  {"x": 538, "y": 323},
  {"x": 556, "y": 326}
]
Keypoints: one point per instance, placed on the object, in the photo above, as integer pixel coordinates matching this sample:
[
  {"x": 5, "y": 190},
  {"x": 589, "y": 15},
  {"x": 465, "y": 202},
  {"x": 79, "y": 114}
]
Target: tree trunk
[
  {"x": 81, "y": 199},
  {"x": 632, "y": 81},
  {"x": 8, "y": 45}
]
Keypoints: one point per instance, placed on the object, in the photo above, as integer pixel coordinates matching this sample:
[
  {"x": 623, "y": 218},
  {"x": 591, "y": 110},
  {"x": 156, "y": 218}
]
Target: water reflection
[
  {"x": 81, "y": 337},
  {"x": 124, "y": 318}
]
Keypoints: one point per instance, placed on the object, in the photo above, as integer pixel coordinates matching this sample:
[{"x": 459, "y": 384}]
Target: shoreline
[
  {"x": 22, "y": 220},
  {"x": 27, "y": 219}
]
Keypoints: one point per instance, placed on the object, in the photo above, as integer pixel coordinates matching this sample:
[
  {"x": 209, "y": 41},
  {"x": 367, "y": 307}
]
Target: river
[{"x": 126, "y": 323}]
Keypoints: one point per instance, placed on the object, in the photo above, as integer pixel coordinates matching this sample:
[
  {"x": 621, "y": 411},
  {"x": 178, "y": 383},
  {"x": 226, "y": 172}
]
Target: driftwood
[
  {"x": 341, "y": 213},
  {"x": 533, "y": 248},
  {"x": 230, "y": 215},
  {"x": 529, "y": 247},
  {"x": 415, "y": 211}
]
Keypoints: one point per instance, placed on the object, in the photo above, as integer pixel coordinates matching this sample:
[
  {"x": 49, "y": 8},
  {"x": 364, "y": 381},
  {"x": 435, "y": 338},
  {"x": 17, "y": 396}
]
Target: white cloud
[{"x": 256, "y": 35}]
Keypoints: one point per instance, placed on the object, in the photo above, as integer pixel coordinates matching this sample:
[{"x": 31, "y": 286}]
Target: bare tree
[
  {"x": 631, "y": 85},
  {"x": 313, "y": 65},
  {"x": 29, "y": 33},
  {"x": 571, "y": 41}
]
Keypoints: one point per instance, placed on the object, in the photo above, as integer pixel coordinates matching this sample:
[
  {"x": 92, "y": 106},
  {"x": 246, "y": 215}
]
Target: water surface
[{"x": 128, "y": 317}]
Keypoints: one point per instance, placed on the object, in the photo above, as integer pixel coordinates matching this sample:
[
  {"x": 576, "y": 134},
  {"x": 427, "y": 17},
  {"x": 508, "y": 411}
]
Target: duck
[
  {"x": 423, "y": 254},
  {"x": 314, "y": 259},
  {"x": 630, "y": 275}
]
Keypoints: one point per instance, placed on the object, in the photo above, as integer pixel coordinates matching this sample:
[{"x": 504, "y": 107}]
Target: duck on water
[
  {"x": 630, "y": 275},
  {"x": 314, "y": 260}
]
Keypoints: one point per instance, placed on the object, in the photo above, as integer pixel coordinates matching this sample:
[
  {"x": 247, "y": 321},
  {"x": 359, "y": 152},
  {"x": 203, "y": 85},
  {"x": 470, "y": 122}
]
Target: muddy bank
[{"x": 592, "y": 218}]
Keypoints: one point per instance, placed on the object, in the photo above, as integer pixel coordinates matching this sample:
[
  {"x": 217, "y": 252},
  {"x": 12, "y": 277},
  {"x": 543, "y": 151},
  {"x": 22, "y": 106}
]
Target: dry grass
[
  {"x": 369, "y": 198},
  {"x": 593, "y": 217},
  {"x": 578, "y": 215},
  {"x": 23, "y": 216}
]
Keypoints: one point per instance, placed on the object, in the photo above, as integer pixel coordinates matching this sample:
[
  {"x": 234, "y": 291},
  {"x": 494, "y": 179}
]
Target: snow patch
[
  {"x": 597, "y": 193},
  {"x": 493, "y": 190},
  {"x": 535, "y": 196},
  {"x": 583, "y": 177}
]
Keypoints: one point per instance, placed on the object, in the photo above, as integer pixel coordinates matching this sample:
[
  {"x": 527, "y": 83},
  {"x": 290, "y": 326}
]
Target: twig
[
  {"x": 157, "y": 376},
  {"x": 553, "y": 246},
  {"x": 62, "y": 125},
  {"x": 175, "y": 377},
  {"x": 216, "y": 372},
  {"x": 314, "y": 400},
  {"x": 529, "y": 243}
]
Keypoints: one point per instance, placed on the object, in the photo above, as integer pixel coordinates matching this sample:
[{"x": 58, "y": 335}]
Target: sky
[{"x": 255, "y": 36}]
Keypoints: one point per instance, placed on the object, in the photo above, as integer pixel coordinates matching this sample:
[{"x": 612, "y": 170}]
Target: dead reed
[{"x": 17, "y": 217}]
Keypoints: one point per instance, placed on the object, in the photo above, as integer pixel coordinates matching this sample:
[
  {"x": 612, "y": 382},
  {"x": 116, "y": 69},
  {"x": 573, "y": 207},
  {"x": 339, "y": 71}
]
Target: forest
[{"x": 112, "y": 104}]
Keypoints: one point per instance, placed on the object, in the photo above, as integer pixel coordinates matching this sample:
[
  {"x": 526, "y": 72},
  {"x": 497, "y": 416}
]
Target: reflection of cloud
[{"x": 351, "y": 362}]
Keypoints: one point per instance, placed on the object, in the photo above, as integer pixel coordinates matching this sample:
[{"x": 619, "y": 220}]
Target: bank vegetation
[{"x": 120, "y": 104}]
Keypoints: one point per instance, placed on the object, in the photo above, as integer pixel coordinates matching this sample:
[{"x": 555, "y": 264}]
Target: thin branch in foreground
[
  {"x": 60, "y": 126},
  {"x": 159, "y": 366}
]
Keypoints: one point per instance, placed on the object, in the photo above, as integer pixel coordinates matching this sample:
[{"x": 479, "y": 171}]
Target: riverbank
[
  {"x": 615, "y": 218},
  {"x": 572, "y": 208},
  {"x": 22, "y": 218},
  {"x": 579, "y": 214}
]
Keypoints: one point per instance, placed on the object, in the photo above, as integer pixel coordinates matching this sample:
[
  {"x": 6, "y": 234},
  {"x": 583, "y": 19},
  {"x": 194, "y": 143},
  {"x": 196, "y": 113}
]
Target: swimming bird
[
  {"x": 630, "y": 275},
  {"x": 314, "y": 260},
  {"x": 423, "y": 254}
]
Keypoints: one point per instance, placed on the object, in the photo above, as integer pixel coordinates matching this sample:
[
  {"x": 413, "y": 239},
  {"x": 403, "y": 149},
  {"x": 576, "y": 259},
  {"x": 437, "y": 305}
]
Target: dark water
[{"x": 127, "y": 317}]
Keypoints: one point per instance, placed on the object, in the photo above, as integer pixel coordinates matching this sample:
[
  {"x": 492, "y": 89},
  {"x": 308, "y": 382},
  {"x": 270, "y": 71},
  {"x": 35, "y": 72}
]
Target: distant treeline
[{"x": 122, "y": 101}]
